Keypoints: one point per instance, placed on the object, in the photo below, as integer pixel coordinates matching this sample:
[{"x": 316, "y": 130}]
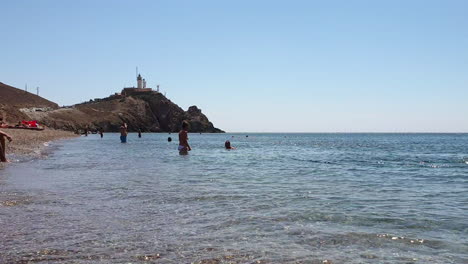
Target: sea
[{"x": 276, "y": 198}]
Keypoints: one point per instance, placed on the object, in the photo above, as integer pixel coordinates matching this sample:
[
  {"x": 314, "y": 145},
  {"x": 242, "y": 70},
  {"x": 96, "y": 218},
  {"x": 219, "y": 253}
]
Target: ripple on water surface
[{"x": 277, "y": 198}]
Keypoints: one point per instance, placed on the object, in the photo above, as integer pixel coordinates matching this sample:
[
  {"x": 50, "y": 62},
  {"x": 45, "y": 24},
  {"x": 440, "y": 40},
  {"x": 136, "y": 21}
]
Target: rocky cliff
[{"x": 150, "y": 112}]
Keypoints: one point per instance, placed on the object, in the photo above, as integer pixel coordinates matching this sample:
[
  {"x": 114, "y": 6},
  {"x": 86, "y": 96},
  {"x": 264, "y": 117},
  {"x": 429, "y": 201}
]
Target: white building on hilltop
[{"x": 141, "y": 87}]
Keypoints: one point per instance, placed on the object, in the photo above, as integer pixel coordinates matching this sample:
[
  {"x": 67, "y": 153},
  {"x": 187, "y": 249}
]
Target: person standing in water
[
  {"x": 123, "y": 133},
  {"x": 139, "y": 133},
  {"x": 184, "y": 146},
  {"x": 4, "y": 135},
  {"x": 101, "y": 132}
]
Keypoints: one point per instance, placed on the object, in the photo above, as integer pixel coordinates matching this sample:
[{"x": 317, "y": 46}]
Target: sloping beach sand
[{"x": 30, "y": 142}]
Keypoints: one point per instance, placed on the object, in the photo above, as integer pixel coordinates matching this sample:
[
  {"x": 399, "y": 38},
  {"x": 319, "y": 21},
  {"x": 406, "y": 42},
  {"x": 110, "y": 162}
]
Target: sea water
[{"x": 276, "y": 198}]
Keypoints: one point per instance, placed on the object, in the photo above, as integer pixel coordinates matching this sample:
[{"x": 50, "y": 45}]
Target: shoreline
[{"x": 31, "y": 143}]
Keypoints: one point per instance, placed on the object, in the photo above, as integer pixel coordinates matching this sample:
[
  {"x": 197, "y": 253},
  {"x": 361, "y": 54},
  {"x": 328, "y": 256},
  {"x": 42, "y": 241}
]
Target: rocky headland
[{"x": 148, "y": 111}]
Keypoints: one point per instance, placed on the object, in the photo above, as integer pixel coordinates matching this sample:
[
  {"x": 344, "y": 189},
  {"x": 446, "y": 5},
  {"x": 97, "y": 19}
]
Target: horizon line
[{"x": 341, "y": 132}]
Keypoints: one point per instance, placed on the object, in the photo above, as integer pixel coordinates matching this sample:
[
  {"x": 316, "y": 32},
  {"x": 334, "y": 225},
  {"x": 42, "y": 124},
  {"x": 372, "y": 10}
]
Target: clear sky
[{"x": 253, "y": 66}]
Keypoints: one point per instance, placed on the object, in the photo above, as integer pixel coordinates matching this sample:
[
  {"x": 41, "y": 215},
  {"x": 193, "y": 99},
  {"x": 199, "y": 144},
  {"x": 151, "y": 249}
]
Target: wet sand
[{"x": 30, "y": 142}]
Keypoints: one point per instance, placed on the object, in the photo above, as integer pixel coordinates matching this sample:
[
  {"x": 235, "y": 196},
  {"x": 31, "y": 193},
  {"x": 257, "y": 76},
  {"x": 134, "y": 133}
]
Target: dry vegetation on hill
[{"x": 13, "y": 99}]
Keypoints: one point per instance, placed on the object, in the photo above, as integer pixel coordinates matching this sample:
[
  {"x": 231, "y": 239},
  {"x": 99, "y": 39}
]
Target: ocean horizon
[{"x": 306, "y": 197}]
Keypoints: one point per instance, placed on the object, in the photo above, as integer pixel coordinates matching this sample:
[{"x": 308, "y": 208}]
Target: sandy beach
[{"x": 30, "y": 142}]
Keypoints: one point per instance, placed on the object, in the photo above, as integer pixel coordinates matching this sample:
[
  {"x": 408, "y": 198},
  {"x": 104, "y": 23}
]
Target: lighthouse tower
[
  {"x": 139, "y": 82},
  {"x": 140, "y": 89}
]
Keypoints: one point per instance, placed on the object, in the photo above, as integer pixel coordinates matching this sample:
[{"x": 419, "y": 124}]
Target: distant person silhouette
[{"x": 86, "y": 130}]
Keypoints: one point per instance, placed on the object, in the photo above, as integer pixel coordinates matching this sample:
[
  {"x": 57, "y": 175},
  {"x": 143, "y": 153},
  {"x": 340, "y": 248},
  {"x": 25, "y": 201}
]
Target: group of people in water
[{"x": 183, "y": 147}]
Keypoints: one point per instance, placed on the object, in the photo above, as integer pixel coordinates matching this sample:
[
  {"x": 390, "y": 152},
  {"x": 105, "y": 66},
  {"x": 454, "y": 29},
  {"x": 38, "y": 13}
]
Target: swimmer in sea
[
  {"x": 184, "y": 146},
  {"x": 227, "y": 145}
]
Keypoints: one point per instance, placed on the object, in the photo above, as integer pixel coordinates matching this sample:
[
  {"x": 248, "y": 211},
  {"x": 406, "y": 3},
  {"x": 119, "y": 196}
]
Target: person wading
[
  {"x": 4, "y": 135},
  {"x": 123, "y": 133},
  {"x": 184, "y": 146}
]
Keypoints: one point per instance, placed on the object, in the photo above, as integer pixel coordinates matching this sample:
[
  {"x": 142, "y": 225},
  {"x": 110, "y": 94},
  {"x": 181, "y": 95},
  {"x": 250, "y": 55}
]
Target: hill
[
  {"x": 147, "y": 111},
  {"x": 13, "y": 99}
]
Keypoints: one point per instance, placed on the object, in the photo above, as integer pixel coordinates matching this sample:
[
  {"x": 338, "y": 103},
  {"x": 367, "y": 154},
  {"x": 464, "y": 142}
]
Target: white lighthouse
[
  {"x": 141, "y": 88},
  {"x": 139, "y": 82}
]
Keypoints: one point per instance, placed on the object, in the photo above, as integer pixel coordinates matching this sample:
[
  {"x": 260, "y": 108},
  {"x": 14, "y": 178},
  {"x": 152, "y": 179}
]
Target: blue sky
[{"x": 255, "y": 66}]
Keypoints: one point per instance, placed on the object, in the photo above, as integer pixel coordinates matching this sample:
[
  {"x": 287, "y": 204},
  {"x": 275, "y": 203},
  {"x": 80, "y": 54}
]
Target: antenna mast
[
  {"x": 136, "y": 76},
  {"x": 37, "y": 91}
]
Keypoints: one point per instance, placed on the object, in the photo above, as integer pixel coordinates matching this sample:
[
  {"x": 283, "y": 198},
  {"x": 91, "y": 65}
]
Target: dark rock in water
[{"x": 169, "y": 139}]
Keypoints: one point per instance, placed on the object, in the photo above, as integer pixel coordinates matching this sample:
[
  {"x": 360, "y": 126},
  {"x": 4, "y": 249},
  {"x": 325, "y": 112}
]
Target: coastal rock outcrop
[{"x": 148, "y": 112}]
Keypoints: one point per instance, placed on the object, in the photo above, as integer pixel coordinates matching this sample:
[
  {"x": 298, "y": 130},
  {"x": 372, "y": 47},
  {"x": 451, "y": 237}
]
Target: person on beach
[
  {"x": 227, "y": 145},
  {"x": 4, "y": 135},
  {"x": 184, "y": 146},
  {"x": 86, "y": 131},
  {"x": 123, "y": 133}
]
